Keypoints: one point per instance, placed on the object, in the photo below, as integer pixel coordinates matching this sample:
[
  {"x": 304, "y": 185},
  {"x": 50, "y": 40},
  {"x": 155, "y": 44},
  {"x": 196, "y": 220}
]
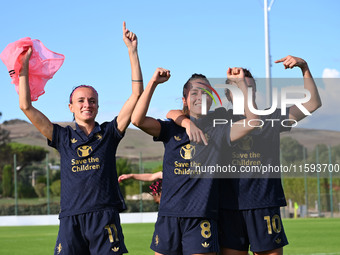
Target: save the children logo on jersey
[
  {"x": 85, "y": 163},
  {"x": 181, "y": 167},
  {"x": 84, "y": 151},
  {"x": 245, "y": 155},
  {"x": 246, "y": 143},
  {"x": 187, "y": 151}
]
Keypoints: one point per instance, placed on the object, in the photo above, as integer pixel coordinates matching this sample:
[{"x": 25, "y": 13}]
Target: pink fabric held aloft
[{"x": 43, "y": 64}]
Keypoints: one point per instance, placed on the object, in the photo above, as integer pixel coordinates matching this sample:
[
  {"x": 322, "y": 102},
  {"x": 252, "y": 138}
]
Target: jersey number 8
[{"x": 205, "y": 229}]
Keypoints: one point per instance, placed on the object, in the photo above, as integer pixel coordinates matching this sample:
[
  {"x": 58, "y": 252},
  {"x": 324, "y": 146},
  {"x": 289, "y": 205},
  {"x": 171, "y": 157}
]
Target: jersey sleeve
[
  {"x": 222, "y": 113},
  {"x": 165, "y": 127},
  {"x": 117, "y": 134},
  {"x": 59, "y": 136}
]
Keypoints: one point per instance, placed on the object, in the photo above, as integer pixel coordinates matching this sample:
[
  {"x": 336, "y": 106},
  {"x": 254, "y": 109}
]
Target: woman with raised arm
[
  {"x": 90, "y": 196},
  {"x": 249, "y": 215},
  {"x": 188, "y": 210}
]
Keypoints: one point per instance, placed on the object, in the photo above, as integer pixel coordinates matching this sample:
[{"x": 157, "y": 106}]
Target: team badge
[
  {"x": 115, "y": 249},
  {"x": 99, "y": 136},
  {"x": 187, "y": 151},
  {"x": 177, "y": 138},
  {"x": 74, "y": 140},
  {"x": 207, "y": 137},
  {"x": 205, "y": 244},
  {"x": 59, "y": 248},
  {"x": 278, "y": 240},
  {"x": 156, "y": 240},
  {"x": 246, "y": 143},
  {"x": 84, "y": 151}
]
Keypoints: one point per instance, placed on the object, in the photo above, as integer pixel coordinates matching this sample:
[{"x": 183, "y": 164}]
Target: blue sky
[{"x": 183, "y": 36}]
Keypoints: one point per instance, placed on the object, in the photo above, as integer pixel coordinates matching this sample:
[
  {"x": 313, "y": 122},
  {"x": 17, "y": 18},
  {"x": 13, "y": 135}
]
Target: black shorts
[
  {"x": 185, "y": 236},
  {"x": 261, "y": 229},
  {"x": 91, "y": 233}
]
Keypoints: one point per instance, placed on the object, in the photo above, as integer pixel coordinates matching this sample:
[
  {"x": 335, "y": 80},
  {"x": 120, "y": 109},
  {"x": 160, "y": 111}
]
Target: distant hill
[
  {"x": 136, "y": 141},
  {"x": 311, "y": 137}
]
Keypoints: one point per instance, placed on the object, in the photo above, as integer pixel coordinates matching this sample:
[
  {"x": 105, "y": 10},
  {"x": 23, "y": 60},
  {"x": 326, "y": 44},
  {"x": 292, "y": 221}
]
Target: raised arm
[
  {"x": 124, "y": 116},
  {"x": 241, "y": 127},
  {"x": 195, "y": 134},
  {"x": 141, "y": 177},
  {"x": 38, "y": 119},
  {"x": 139, "y": 119},
  {"x": 315, "y": 101}
]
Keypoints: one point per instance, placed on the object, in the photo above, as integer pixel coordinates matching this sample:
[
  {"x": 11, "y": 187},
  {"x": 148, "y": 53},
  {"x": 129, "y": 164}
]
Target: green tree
[
  {"x": 26, "y": 190},
  {"x": 157, "y": 169},
  {"x": 26, "y": 154},
  {"x": 124, "y": 166},
  {"x": 336, "y": 154},
  {"x": 321, "y": 152},
  {"x": 7, "y": 181},
  {"x": 55, "y": 188},
  {"x": 291, "y": 150},
  {"x": 40, "y": 189},
  {"x": 4, "y": 139},
  {"x": 4, "y": 135}
]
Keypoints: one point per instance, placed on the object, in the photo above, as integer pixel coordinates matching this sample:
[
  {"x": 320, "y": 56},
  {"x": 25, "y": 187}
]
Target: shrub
[
  {"x": 7, "y": 181},
  {"x": 40, "y": 189},
  {"x": 40, "y": 209},
  {"x": 55, "y": 188},
  {"x": 26, "y": 191}
]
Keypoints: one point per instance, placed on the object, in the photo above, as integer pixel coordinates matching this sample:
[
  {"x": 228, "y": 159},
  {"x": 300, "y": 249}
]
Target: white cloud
[
  {"x": 330, "y": 73},
  {"x": 330, "y": 93},
  {"x": 328, "y": 115}
]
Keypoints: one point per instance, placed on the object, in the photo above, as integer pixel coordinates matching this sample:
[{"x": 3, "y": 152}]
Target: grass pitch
[
  {"x": 312, "y": 236},
  {"x": 306, "y": 236}
]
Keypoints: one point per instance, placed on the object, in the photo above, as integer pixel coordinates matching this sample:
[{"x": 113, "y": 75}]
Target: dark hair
[
  {"x": 82, "y": 86},
  {"x": 186, "y": 88},
  {"x": 156, "y": 187},
  {"x": 247, "y": 74}
]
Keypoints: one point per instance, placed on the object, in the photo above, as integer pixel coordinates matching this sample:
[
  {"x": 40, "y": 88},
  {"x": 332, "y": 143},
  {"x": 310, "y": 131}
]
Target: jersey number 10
[{"x": 274, "y": 224}]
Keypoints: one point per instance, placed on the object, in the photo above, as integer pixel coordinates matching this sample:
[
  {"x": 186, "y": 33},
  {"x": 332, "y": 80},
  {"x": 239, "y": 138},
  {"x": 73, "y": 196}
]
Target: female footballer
[
  {"x": 188, "y": 210},
  {"x": 250, "y": 205},
  {"x": 90, "y": 196}
]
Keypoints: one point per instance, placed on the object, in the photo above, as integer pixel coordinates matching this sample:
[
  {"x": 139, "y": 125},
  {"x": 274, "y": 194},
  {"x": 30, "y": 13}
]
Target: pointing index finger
[
  {"x": 124, "y": 26},
  {"x": 280, "y": 60}
]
